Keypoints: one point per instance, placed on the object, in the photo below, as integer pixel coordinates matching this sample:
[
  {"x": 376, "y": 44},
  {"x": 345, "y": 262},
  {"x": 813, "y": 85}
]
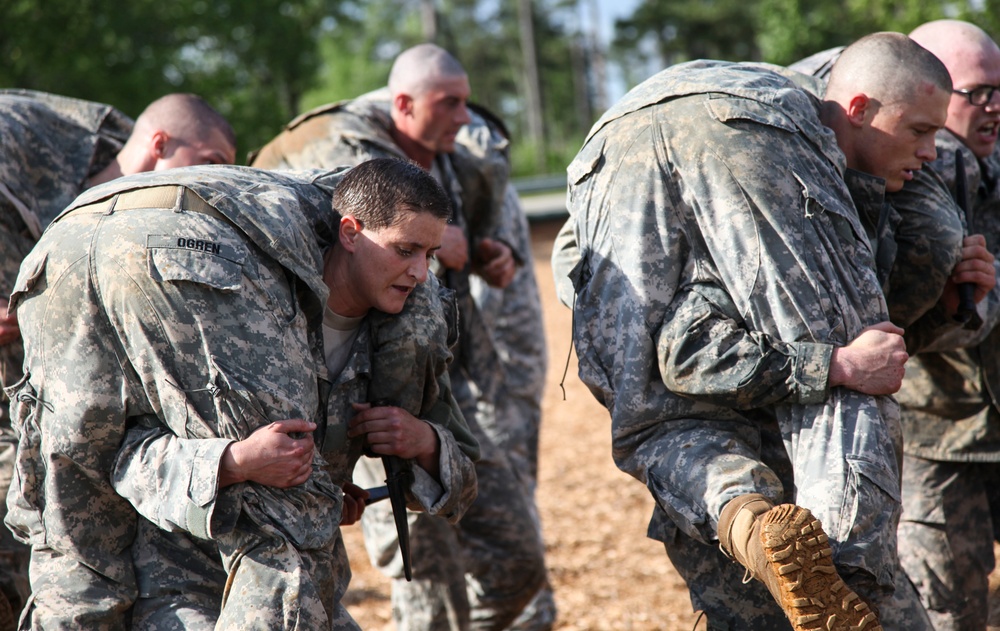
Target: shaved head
[
  {"x": 175, "y": 130},
  {"x": 955, "y": 43},
  {"x": 886, "y": 99},
  {"x": 185, "y": 116},
  {"x": 429, "y": 90},
  {"x": 888, "y": 67},
  {"x": 973, "y": 60},
  {"x": 419, "y": 68}
]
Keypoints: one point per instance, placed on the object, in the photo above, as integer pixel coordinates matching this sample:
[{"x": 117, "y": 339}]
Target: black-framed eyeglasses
[{"x": 979, "y": 95}]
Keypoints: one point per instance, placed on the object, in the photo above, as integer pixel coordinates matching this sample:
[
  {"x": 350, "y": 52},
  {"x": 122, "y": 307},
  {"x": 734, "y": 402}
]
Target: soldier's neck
[{"x": 413, "y": 149}]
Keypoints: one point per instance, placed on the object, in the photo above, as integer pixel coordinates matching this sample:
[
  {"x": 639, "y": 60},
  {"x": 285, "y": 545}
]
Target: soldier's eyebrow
[
  {"x": 218, "y": 156},
  {"x": 415, "y": 245}
]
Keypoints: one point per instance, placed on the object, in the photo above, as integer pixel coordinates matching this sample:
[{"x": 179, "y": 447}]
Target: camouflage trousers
[
  {"x": 514, "y": 431},
  {"x": 15, "y": 243},
  {"x": 127, "y": 347},
  {"x": 14, "y": 555},
  {"x": 477, "y": 574},
  {"x": 946, "y": 535},
  {"x": 513, "y": 422},
  {"x": 709, "y": 463},
  {"x": 183, "y": 584}
]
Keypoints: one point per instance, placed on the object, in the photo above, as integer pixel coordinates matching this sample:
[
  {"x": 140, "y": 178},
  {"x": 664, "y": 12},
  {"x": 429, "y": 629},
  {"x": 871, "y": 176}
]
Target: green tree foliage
[
  {"x": 985, "y": 13},
  {"x": 358, "y": 49},
  {"x": 665, "y": 33},
  {"x": 658, "y": 34},
  {"x": 792, "y": 29},
  {"x": 252, "y": 60},
  {"x": 263, "y": 62}
]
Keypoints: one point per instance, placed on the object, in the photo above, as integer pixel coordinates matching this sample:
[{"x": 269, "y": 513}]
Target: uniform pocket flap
[
  {"x": 586, "y": 162},
  {"x": 32, "y": 269},
  {"x": 729, "y": 108},
  {"x": 876, "y": 474},
  {"x": 213, "y": 263},
  {"x": 816, "y": 197}
]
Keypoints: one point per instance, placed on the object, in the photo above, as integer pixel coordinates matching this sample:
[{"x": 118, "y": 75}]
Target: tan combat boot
[{"x": 785, "y": 548}]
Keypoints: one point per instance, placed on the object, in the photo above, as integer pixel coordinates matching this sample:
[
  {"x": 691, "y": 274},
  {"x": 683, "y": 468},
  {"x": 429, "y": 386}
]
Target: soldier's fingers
[
  {"x": 374, "y": 413},
  {"x": 375, "y": 418},
  {"x": 974, "y": 239},
  {"x": 302, "y": 477},
  {"x": 362, "y": 427},
  {"x": 287, "y": 426}
]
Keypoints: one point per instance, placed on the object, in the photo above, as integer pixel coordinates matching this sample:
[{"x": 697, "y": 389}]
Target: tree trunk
[
  {"x": 597, "y": 59},
  {"x": 532, "y": 86}
]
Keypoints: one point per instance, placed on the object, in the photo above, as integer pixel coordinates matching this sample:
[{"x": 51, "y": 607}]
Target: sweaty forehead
[
  {"x": 218, "y": 147},
  {"x": 217, "y": 154},
  {"x": 981, "y": 67},
  {"x": 930, "y": 105},
  {"x": 447, "y": 86}
]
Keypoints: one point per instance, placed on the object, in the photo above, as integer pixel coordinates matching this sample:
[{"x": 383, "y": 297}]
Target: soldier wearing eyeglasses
[{"x": 950, "y": 410}]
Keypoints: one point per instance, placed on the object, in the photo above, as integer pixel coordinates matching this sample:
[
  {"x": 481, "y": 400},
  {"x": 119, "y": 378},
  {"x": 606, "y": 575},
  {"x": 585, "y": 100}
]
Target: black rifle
[
  {"x": 966, "y": 291},
  {"x": 398, "y": 478}
]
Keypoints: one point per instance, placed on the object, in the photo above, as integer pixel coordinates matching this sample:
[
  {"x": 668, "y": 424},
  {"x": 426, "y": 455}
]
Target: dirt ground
[{"x": 606, "y": 574}]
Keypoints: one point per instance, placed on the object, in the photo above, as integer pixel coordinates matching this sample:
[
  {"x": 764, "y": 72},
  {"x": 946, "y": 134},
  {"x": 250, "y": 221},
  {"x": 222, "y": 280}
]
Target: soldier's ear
[
  {"x": 403, "y": 103},
  {"x": 858, "y": 108},
  {"x": 350, "y": 229},
  {"x": 158, "y": 144}
]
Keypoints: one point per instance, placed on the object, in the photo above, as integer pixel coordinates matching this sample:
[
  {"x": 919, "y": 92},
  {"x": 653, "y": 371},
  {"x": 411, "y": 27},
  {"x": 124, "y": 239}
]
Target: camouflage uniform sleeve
[
  {"x": 929, "y": 245},
  {"x": 452, "y": 494},
  {"x": 565, "y": 258},
  {"x": 936, "y": 332},
  {"x": 481, "y": 162},
  {"x": 410, "y": 358},
  {"x": 173, "y": 482},
  {"x": 447, "y": 415},
  {"x": 705, "y": 352}
]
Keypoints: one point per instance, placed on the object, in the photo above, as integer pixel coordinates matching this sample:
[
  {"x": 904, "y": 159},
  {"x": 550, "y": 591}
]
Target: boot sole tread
[{"x": 813, "y": 595}]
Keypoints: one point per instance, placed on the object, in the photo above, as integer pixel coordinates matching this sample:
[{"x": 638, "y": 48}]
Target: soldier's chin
[
  {"x": 894, "y": 185},
  {"x": 446, "y": 145},
  {"x": 392, "y": 305}
]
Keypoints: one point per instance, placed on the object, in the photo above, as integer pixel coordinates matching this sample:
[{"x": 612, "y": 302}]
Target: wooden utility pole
[
  {"x": 428, "y": 20},
  {"x": 532, "y": 85},
  {"x": 597, "y": 59}
]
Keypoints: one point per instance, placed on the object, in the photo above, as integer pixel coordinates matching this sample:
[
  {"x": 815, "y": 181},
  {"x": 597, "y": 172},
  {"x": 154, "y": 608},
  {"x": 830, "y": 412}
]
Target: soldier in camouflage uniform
[
  {"x": 481, "y": 574},
  {"x": 54, "y": 147},
  {"x": 835, "y": 293},
  {"x": 156, "y": 286},
  {"x": 714, "y": 584},
  {"x": 274, "y": 543},
  {"x": 514, "y": 315},
  {"x": 181, "y": 580},
  {"x": 950, "y": 415},
  {"x": 917, "y": 237},
  {"x": 946, "y": 533}
]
